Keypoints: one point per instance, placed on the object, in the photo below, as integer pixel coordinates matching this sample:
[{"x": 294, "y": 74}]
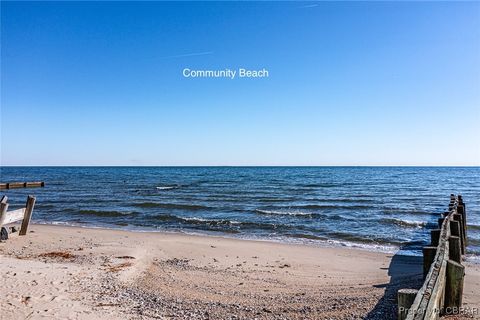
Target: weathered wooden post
[
  {"x": 454, "y": 250},
  {"x": 27, "y": 216},
  {"x": 461, "y": 211},
  {"x": 3, "y": 212},
  {"x": 440, "y": 222},
  {"x": 428, "y": 257},
  {"x": 405, "y": 299},
  {"x": 458, "y": 218},
  {"x": 455, "y": 228},
  {"x": 435, "y": 237},
  {"x": 454, "y": 286}
]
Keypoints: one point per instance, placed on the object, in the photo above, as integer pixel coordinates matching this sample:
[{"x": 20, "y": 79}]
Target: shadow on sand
[{"x": 405, "y": 272}]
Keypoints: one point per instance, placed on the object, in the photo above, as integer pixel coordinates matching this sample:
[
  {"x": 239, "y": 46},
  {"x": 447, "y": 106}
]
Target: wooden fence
[
  {"x": 442, "y": 290},
  {"x": 8, "y": 217}
]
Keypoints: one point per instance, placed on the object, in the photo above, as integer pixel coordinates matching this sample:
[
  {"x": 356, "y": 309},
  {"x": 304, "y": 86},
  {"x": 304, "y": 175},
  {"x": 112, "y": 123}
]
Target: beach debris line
[
  {"x": 443, "y": 272},
  {"x": 57, "y": 254},
  {"x": 119, "y": 267},
  {"x": 8, "y": 217},
  {"x": 15, "y": 185}
]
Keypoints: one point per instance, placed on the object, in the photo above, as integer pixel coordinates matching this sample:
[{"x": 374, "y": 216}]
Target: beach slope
[{"x": 78, "y": 273}]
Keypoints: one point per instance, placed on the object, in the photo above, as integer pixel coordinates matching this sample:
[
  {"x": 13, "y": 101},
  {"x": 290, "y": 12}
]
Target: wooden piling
[
  {"x": 454, "y": 247},
  {"x": 454, "y": 286},
  {"x": 461, "y": 211},
  {"x": 405, "y": 300},
  {"x": 27, "y": 216},
  {"x": 440, "y": 222},
  {"x": 435, "y": 237},
  {"x": 455, "y": 228},
  {"x": 428, "y": 257},
  {"x": 458, "y": 218}
]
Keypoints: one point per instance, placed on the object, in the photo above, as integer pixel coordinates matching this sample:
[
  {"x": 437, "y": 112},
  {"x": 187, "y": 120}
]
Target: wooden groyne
[
  {"x": 442, "y": 290},
  {"x": 14, "y": 185}
]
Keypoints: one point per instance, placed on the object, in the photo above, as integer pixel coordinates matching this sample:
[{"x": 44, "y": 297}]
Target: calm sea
[{"x": 380, "y": 208}]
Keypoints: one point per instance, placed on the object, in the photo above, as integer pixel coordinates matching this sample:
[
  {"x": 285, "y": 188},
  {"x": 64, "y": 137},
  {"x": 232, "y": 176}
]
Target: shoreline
[
  {"x": 60, "y": 271},
  {"x": 376, "y": 248},
  {"x": 283, "y": 239}
]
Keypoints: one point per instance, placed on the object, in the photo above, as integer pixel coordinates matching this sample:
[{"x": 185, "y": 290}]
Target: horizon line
[{"x": 249, "y": 166}]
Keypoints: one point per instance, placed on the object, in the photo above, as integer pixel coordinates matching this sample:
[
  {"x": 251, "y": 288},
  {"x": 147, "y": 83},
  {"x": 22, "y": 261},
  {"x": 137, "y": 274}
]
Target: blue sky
[{"x": 350, "y": 83}]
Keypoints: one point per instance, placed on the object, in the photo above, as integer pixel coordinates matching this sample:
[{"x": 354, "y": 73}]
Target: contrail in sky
[
  {"x": 309, "y": 6},
  {"x": 188, "y": 55}
]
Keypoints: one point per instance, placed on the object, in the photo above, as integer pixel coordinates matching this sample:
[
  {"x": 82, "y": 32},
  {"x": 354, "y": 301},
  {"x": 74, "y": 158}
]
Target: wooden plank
[
  {"x": 27, "y": 216},
  {"x": 436, "y": 301},
  {"x": 3, "y": 186},
  {"x": 14, "y": 216}
]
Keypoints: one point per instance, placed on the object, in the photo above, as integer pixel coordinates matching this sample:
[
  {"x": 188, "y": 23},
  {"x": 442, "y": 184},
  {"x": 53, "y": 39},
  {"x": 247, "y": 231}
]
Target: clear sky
[{"x": 350, "y": 83}]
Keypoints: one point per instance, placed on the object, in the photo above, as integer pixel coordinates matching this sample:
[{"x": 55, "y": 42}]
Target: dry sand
[{"x": 78, "y": 273}]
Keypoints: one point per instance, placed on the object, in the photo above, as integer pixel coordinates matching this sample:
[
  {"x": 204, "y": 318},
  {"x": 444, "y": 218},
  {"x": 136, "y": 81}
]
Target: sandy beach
[{"x": 59, "y": 272}]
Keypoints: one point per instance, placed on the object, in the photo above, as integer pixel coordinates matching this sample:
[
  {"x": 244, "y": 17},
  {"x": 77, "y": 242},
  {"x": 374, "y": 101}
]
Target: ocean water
[{"x": 378, "y": 208}]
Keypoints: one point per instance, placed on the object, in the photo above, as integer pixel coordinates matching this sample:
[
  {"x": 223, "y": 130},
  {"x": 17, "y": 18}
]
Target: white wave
[
  {"x": 211, "y": 220},
  {"x": 409, "y": 223},
  {"x": 195, "y": 219},
  {"x": 288, "y": 213},
  {"x": 166, "y": 188},
  {"x": 386, "y": 248},
  {"x": 472, "y": 258}
]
